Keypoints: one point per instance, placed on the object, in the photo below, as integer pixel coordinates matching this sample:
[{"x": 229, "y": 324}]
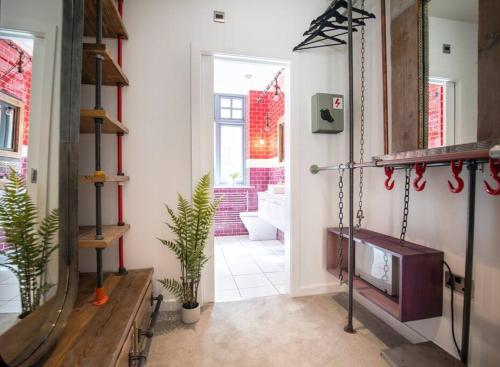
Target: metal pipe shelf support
[{"x": 349, "y": 327}]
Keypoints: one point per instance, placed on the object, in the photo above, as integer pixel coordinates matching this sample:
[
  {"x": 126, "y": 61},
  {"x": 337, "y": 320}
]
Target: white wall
[
  {"x": 460, "y": 67},
  {"x": 157, "y": 109},
  {"x": 437, "y": 219}
]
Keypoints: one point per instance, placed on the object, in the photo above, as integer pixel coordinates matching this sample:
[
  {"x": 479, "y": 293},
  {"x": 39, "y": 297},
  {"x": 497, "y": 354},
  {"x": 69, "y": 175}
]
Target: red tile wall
[
  {"x": 256, "y": 124},
  {"x": 17, "y": 85},
  {"x": 436, "y": 115}
]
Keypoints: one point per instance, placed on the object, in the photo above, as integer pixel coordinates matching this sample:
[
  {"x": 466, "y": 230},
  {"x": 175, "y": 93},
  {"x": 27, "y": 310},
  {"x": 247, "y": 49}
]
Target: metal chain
[
  {"x": 341, "y": 223},
  {"x": 359, "y": 213},
  {"x": 404, "y": 224}
]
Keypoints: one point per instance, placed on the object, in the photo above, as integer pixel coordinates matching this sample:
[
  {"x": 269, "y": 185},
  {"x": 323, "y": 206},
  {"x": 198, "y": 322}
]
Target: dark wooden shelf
[
  {"x": 86, "y": 236},
  {"x": 102, "y": 336},
  {"x": 113, "y": 26},
  {"x": 478, "y": 150},
  {"x": 105, "y": 178},
  {"x": 112, "y": 73},
  {"x": 420, "y": 274},
  {"x": 109, "y": 126}
]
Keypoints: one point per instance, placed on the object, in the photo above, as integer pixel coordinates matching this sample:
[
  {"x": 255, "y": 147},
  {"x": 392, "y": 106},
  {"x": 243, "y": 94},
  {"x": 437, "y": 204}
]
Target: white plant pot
[{"x": 190, "y": 315}]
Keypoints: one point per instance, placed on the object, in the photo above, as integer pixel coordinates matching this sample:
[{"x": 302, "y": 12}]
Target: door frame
[{"x": 202, "y": 152}]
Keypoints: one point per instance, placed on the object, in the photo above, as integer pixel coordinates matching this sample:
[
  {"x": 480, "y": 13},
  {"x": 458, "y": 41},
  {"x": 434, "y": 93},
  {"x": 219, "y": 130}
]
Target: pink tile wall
[{"x": 236, "y": 200}]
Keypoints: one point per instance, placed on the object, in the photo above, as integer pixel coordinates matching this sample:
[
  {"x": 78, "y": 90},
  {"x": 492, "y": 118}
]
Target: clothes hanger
[{"x": 311, "y": 40}]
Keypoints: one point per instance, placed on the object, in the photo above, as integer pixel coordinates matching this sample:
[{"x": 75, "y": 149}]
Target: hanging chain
[
  {"x": 359, "y": 213},
  {"x": 341, "y": 223},
  {"x": 404, "y": 224}
]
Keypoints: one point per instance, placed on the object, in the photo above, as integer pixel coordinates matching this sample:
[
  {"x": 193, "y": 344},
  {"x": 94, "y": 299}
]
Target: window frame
[
  {"x": 219, "y": 122},
  {"x": 18, "y": 105}
]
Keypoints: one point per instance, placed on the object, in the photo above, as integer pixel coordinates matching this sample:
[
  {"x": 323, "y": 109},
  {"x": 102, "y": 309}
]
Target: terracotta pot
[{"x": 190, "y": 315}]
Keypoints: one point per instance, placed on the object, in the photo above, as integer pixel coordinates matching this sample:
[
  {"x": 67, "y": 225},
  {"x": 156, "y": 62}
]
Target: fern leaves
[
  {"x": 29, "y": 243},
  {"x": 191, "y": 225}
]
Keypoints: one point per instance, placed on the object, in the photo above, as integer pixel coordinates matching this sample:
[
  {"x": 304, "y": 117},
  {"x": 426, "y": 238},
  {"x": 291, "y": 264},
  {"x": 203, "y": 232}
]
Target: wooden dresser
[{"x": 109, "y": 335}]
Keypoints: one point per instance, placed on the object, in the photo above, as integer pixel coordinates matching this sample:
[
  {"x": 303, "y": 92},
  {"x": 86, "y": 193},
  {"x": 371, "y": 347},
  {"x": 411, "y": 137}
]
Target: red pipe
[{"x": 121, "y": 269}]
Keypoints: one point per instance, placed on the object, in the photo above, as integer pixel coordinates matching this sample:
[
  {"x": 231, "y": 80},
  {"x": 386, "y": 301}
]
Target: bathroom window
[
  {"x": 9, "y": 127},
  {"x": 230, "y": 167}
]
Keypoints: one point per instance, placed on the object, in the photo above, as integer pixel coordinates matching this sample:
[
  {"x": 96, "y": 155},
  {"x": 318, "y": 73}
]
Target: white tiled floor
[
  {"x": 10, "y": 301},
  {"x": 248, "y": 269}
]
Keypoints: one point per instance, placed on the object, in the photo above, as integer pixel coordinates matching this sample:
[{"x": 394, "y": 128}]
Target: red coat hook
[
  {"x": 495, "y": 174},
  {"x": 420, "y": 170},
  {"x": 456, "y": 168},
  {"x": 388, "y": 172}
]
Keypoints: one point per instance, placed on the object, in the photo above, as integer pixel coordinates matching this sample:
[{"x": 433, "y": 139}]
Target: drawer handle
[{"x": 141, "y": 357}]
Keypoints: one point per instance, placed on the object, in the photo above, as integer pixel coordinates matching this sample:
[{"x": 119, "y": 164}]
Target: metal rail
[
  {"x": 469, "y": 255},
  {"x": 349, "y": 327}
]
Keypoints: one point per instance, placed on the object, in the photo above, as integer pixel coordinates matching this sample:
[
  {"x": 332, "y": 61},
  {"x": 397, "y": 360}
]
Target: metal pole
[
  {"x": 99, "y": 279},
  {"x": 98, "y": 122},
  {"x": 349, "y": 327},
  {"x": 119, "y": 137},
  {"x": 469, "y": 255}
]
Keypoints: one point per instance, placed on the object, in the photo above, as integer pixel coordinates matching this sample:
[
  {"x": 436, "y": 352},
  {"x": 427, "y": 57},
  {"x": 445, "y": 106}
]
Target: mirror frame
[{"x": 32, "y": 338}]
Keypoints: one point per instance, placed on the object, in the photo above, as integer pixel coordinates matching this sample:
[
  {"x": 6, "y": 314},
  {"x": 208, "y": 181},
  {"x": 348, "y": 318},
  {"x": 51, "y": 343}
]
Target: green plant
[
  {"x": 234, "y": 176},
  {"x": 191, "y": 225},
  {"x": 29, "y": 243}
]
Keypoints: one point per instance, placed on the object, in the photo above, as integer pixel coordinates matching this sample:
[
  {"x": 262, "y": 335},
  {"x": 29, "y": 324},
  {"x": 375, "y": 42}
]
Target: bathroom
[{"x": 250, "y": 224}]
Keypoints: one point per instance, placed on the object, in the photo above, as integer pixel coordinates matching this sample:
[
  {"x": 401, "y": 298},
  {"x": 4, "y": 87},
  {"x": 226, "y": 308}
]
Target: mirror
[
  {"x": 37, "y": 137},
  {"x": 444, "y": 71},
  {"x": 452, "y": 81}
]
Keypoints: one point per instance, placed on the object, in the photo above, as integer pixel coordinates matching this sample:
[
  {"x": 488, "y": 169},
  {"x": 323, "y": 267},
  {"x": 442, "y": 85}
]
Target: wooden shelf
[
  {"x": 106, "y": 178},
  {"x": 112, "y": 73},
  {"x": 420, "y": 271},
  {"x": 390, "y": 304},
  {"x": 109, "y": 126},
  {"x": 113, "y": 26},
  {"x": 86, "y": 237},
  {"x": 478, "y": 150}
]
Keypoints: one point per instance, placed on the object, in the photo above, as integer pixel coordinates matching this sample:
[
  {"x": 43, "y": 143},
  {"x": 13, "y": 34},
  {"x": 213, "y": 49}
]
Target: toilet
[{"x": 258, "y": 229}]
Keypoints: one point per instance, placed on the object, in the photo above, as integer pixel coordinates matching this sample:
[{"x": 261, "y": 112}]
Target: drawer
[{"x": 134, "y": 342}]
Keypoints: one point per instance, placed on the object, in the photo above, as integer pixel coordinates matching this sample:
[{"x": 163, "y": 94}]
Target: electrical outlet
[{"x": 459, "y": 282}]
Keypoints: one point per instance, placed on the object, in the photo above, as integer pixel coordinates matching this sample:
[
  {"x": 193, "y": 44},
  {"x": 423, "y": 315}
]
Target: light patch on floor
[
  {"x": 247, "y": 269},
  {"x": 273, "y": 332}
]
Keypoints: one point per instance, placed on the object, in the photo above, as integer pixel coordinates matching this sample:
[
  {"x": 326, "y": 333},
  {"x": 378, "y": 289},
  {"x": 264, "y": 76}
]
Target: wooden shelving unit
[
  {"x": 86, "y": 236},
  {"x": 112, "y": 27},
  {"x": 103, "y": 18},
  {"x": 105, "y": 178},
  {"x": 112, "y": 73},
  {"x": 109, "y": 126}
]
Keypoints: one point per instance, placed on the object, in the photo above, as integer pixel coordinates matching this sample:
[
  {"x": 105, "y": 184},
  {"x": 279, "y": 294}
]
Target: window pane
[
  {"x": 225, "y": 102},
  {"x": 231, "y": 153},
  {"x": 237, "y": 114},
  {"x": 225, "y": 113},
  {"x": 237, "y": 103},
  {"x": 6, "y": 127}
]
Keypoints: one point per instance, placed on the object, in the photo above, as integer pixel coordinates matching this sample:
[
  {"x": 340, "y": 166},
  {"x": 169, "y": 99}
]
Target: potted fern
[
  {"x": 191, "y": 225},
  {"x": 29, "y": 243}
]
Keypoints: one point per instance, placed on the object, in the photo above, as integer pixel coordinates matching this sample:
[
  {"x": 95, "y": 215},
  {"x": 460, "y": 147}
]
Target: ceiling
[
  {"x": 236, "y": 76},
  {"x": 459, "y": 10}
]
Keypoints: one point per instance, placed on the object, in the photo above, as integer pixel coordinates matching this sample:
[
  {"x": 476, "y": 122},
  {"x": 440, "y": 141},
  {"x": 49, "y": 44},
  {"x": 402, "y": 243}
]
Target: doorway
[{"x": 249, "y": 167}]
